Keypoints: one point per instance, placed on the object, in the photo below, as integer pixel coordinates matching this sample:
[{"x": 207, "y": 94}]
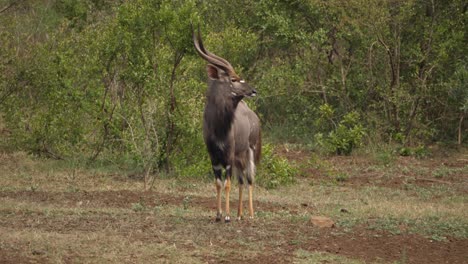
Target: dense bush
[{"x": 119, "y": 80}]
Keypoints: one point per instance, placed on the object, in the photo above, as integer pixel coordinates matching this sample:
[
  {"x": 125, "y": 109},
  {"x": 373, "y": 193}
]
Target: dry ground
[{"x": 387, "y": 210}]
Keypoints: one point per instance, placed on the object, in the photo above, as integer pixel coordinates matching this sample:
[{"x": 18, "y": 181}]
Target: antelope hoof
[
  {"x": 227, "y": 219},
  {"x": 218, "y": 217},
  {"x": 239, "y": 218}
]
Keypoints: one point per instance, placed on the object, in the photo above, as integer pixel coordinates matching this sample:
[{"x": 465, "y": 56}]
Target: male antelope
[{"x": 230, "y": 129}]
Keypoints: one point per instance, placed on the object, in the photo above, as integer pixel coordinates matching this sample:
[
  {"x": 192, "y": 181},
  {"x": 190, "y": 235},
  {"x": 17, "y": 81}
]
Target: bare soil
[
  {"x": 47, "y": 226},
  {"x": 365, "y": 171},
  {"x": 361, "y": 243}
]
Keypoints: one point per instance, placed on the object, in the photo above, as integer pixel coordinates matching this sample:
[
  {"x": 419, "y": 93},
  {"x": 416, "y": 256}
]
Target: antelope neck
[{"x": 219, "y": 112}]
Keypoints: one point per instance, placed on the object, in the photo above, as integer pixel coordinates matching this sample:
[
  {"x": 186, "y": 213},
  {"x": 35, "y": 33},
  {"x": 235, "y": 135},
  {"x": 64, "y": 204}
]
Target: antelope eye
[{"x": 233, "y": 80}]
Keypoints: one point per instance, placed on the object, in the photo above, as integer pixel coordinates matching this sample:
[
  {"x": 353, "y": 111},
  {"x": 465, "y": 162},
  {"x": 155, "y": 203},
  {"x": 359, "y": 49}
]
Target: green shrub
[
  {"x": 275, "y": 171},
  {"x": 345, "y": 136},
  {"x": 385, "y": 158},
  {"x": 418, "y": 152}
]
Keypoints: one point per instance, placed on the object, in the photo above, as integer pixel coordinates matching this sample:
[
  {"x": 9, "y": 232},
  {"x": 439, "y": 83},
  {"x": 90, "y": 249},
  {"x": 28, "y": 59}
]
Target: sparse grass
[
  {"x": 444, "y": 171},
  {"x": 108, "y": 247},
  {"x": 303, "y": 257},
  {"x": 67, "y": 224},
  {"x": 385, "y": 158},
  {"x": 388, "y": 208}
]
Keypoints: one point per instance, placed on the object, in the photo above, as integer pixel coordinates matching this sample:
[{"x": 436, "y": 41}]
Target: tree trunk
[
  {"x": 460, "y": 128},
  {"x": 170, "y": 137}
]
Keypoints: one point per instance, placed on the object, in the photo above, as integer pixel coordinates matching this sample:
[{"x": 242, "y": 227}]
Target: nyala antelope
[{"x": 230, "y": 129}]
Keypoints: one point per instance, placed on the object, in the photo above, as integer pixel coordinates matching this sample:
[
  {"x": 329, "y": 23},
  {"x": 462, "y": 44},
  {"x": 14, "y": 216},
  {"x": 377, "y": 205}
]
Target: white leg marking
[
  {"x": 221, "y": 145},
  {"x": 251, "y": 164},
  {"x": 219, "y": 182},
  {"x": 217, "y": 167}
]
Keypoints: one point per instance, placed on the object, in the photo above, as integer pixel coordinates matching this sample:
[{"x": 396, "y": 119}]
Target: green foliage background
[{"x": 119, "y": 81}]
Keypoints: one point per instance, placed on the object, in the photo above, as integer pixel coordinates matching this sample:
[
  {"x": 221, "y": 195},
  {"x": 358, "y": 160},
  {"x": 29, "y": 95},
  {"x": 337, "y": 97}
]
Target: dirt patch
[
  {"x": 277, "y": 238},
  {"x": 7, "y": 255},
  {"x": 128, "y": 199},
  {"x": 402, "y": 169},
  {"x": 357, "y": 171},
  {"x": 373, "y": 245},
  {"x": 129, "y": 226},
  {"x": 280, "y": 239}
]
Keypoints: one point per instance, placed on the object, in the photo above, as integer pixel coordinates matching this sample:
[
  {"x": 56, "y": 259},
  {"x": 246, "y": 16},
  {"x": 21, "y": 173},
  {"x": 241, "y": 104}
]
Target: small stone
[
  {"x": 38, "y": 252},
  {"x": 322, "y": 222}
]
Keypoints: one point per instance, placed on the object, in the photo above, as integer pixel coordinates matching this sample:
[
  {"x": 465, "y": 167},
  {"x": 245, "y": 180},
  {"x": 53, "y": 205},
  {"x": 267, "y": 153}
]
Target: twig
[
  {"x": 7, "y": 7},
  {"x": 432, "y": 180}
]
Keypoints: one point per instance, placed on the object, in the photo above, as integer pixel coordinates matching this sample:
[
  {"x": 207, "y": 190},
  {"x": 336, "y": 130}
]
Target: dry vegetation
[{"x": 402, "y": 210}]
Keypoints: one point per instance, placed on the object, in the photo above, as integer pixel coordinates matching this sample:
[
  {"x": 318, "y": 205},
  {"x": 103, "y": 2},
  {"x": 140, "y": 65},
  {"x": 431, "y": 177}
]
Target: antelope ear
[{"x": 213, "y": 72}]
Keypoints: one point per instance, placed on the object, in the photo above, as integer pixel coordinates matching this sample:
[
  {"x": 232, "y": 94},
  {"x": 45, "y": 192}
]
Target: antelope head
[{"x": 222, "y": 74}]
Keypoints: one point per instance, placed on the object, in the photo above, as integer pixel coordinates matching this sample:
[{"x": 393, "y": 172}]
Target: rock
[
  {"x": 38, "y": 252},
  {"x": 322, "y": 222}
]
